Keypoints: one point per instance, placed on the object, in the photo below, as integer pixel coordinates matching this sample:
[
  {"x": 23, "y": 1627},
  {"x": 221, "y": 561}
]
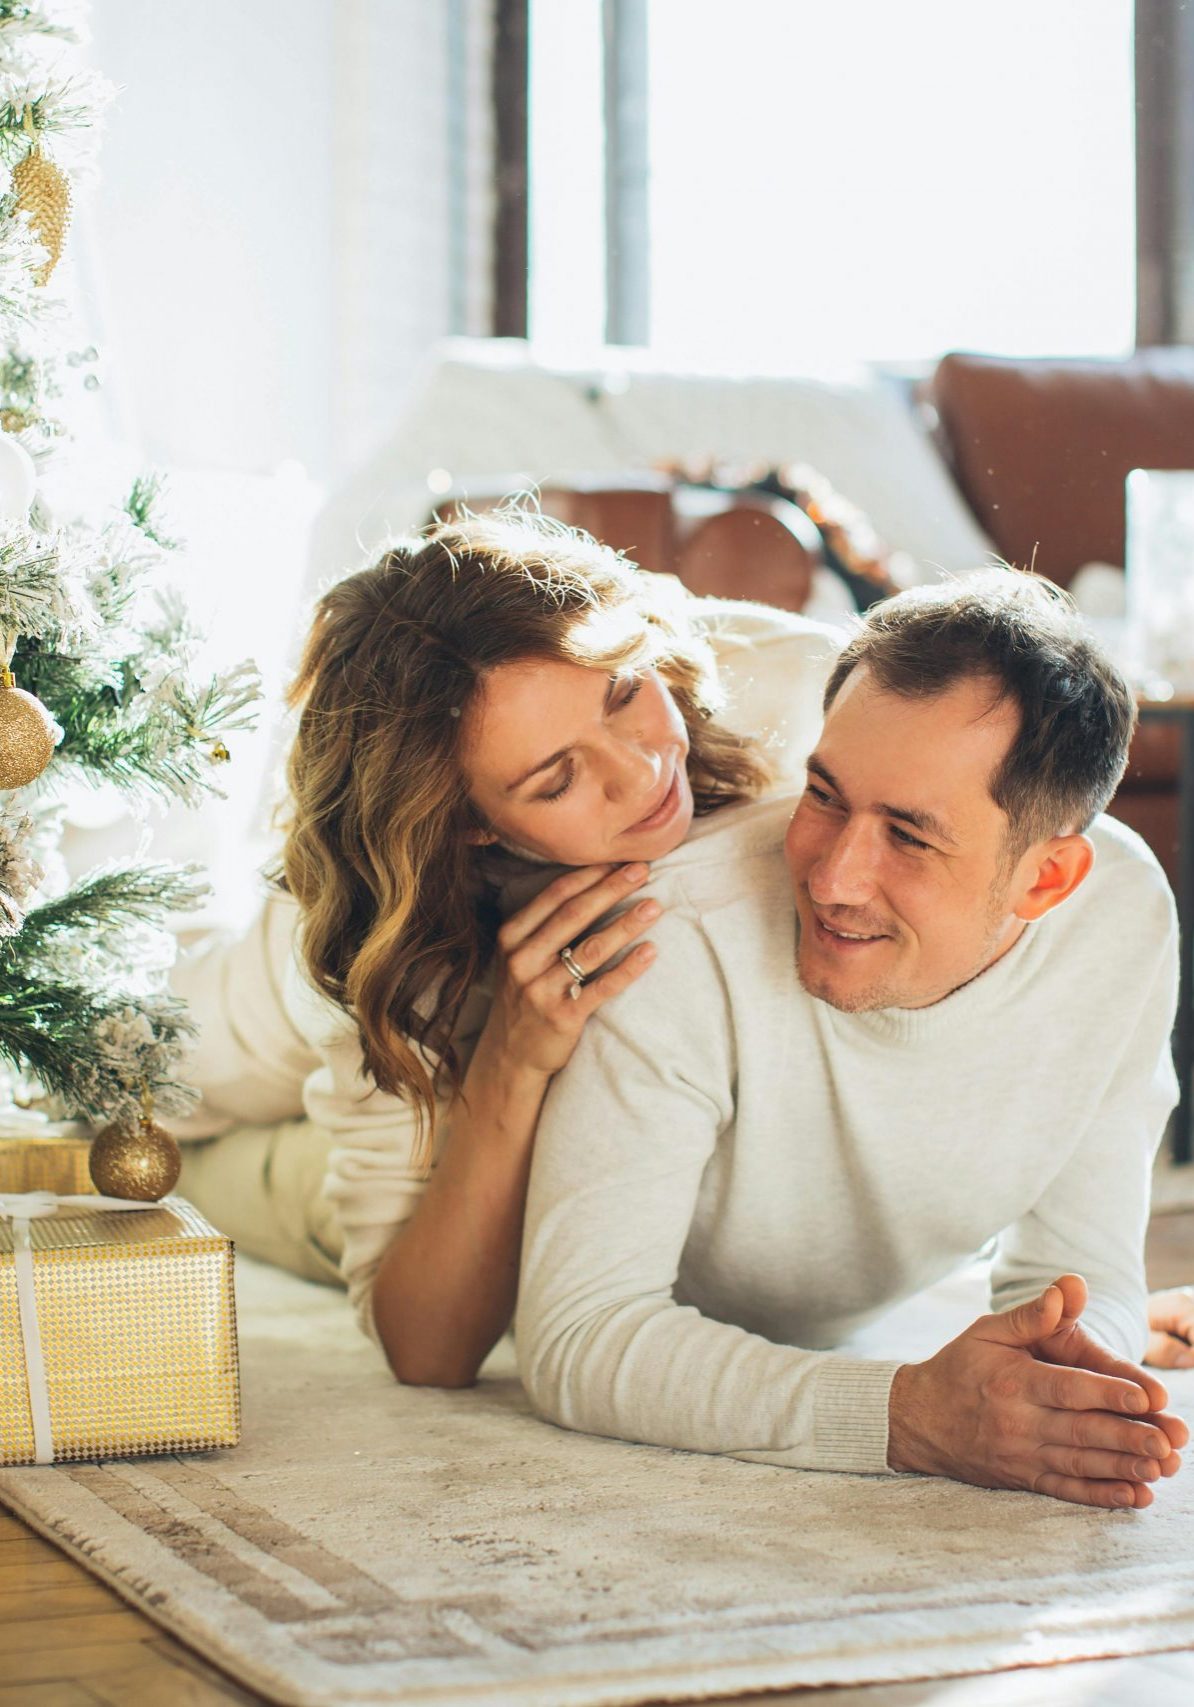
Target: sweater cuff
[
  {"x": 1116, "y": 1325},
  {"x": 850, "y": 1407}
]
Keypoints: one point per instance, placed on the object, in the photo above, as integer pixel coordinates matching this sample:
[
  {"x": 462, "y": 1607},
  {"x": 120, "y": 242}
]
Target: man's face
[{"x": 897, "y": 851}]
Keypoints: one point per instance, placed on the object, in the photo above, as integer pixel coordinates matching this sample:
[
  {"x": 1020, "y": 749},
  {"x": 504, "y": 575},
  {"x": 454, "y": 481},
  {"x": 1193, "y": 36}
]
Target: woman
[{"x": 488, "y": 703}]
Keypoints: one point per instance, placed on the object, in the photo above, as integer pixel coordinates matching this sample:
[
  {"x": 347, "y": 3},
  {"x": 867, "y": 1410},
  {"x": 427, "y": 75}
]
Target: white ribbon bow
[{"x": 22, "y": 1207}]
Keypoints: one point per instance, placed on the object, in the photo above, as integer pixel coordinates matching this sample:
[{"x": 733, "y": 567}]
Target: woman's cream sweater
[{"x": 270, "y": 1047}]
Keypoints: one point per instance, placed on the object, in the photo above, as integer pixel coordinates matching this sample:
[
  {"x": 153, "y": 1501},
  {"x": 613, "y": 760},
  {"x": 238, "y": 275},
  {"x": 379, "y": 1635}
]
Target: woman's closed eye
[
  {"x": 627, "y": 688},
  {"x": 562, "y": 787}
]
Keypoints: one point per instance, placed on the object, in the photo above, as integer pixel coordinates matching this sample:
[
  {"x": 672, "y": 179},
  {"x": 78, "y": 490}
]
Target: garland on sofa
[{"x": 853, "y": 550}]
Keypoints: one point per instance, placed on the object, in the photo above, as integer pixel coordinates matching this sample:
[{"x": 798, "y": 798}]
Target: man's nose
[{"x": 844, "y": 874}]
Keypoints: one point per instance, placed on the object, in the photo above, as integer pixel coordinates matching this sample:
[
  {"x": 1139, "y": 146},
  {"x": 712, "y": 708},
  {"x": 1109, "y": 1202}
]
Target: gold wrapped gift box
[
  {"x": 56, "y": 1163},
  {"x": 137, "y": 1322}
]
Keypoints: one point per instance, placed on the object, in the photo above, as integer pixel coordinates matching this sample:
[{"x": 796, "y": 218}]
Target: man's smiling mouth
[{"x": 836, "y": 933}]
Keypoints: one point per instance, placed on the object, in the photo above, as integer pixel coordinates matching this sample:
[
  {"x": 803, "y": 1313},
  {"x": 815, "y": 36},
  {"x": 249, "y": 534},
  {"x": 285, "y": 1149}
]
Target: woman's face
[{"x": 578, "y": 767}]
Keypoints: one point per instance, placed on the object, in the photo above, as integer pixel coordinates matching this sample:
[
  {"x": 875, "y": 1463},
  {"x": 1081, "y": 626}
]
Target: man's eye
[
  {"x": 907, "y": 840},
  {"x": 819, "y": 794}
]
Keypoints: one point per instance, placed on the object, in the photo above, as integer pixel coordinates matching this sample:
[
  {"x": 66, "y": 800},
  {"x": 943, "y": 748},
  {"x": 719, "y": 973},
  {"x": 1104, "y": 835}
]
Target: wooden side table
[{"x": 1180, "y": 710}]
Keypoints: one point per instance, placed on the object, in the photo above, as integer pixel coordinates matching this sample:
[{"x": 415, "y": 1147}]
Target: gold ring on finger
[{"x": 576, "y": 971}]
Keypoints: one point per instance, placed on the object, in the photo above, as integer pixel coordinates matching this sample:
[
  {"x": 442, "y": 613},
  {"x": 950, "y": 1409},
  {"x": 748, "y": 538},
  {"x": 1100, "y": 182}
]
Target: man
[{"x": 959, "y": 1032}]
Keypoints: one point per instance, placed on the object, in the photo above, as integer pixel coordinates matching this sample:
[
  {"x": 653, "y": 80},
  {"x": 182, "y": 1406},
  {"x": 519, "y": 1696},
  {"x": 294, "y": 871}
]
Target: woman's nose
[{"x": 631, "y": 769}]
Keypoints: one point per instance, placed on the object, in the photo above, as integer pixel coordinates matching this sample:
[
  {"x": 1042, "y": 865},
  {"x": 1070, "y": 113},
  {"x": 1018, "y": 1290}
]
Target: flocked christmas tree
[{"x": 97, "y": 683}]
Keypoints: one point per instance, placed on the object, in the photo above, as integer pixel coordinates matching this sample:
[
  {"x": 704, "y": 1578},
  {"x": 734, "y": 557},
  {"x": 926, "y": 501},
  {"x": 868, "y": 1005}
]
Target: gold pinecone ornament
[
  {"x": 43, "y": 192},
  {"x": 141, "y": 1161},
  {"x": 28, "y": 734}
]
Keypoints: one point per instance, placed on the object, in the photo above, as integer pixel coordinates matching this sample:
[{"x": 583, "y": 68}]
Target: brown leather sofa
[
  {"x": 738, "y": 545},
  {"x": 1040, "y": 450}
]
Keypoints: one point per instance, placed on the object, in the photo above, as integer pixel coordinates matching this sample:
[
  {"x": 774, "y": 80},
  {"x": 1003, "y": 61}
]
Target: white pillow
[{"x": 492, "y": 410}]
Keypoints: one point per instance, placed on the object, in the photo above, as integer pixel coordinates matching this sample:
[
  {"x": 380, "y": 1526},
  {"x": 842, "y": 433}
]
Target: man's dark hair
[{"x": 1076, "y": 711}]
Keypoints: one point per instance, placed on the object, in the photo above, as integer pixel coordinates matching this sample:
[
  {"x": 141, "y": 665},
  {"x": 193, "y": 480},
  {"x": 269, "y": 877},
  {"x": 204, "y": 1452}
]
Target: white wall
[
  {"x": 404, "y": 276},
  {"x": 270, "y": 241},
  {"x": 208, "y": 230},
  {"x": 266, "y": 258}
]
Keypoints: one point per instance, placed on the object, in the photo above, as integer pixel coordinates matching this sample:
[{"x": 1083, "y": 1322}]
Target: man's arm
[
  {"x": 626, "y": 1133},
  {"x": 1092, "y": 1217},
  {"x": 1041, "y": 1395}
]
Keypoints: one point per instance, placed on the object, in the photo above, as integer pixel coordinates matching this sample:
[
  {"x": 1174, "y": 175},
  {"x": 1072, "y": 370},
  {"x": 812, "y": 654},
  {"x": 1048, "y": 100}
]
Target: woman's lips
[{"x": 661, "y": 814}]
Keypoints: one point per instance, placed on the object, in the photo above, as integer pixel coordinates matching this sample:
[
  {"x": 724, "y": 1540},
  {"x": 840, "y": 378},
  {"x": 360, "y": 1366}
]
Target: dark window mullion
[
  {"x": 627, "y": 236},
  {"x": 511, "y": 71},
  {"x": 1164, "y": 51}
]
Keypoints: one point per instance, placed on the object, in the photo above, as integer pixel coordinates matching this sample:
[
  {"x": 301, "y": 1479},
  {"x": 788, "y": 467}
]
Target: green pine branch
[
  {"x": 53, "y": 111},
  {"x": 166, "y": 744},
  {"x": 142, "y": 507},
  {"x": 33, "y": 17},
  {"x": 22, "y": 383},
  {"x": 110, "y": 900},
  {"x": 92, "y": 1041},
  {"x": 58, "y": 1034}
]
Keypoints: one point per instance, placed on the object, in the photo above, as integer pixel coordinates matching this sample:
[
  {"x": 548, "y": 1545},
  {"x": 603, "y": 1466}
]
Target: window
[{"x": 848, "y": 178}]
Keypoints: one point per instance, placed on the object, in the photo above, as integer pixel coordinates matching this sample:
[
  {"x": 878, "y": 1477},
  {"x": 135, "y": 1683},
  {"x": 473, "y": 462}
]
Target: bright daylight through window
[{"x": 849, "y": 179}]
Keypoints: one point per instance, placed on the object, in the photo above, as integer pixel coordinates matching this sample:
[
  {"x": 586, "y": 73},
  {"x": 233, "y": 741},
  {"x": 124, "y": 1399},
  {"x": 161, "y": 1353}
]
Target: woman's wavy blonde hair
[{"x": 399, "y": 916}]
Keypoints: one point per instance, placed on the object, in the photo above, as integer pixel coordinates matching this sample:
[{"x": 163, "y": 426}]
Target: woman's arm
[
  {"x": 246, "y": 1057},
  {"x": 444, "y": 1290}
]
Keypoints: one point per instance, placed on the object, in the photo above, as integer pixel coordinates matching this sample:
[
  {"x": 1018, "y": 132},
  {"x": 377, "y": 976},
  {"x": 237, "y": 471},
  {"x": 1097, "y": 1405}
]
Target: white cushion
[{"x": 491, "y": 409}]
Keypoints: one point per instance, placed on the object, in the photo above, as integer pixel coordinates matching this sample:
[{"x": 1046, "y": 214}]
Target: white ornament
[{"x": 18, "y": 479}]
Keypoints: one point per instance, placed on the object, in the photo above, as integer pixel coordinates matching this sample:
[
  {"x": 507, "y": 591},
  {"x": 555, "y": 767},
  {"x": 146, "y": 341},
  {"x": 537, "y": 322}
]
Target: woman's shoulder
[
  {"x": 719, "y": 848},
  {"x": 737, "y": 627},
  {"x": 320, "y": 1020},
  {"x": 328, "y": 1027},
  {"x": 772, "y": 666}
]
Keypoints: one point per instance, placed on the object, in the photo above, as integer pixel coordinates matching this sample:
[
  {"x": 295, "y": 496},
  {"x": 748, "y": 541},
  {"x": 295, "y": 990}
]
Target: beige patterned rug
[{"x": 371, "y": 1544}]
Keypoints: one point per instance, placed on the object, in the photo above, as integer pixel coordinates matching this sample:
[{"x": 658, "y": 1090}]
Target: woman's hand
[
  {"x": 539, "y": 1010},
  {"x": 1171, "y": 1329}
]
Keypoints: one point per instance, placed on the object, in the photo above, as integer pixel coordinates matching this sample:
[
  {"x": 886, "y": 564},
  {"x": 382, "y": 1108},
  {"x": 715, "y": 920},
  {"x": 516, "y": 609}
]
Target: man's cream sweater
[{"x": 732, "y": 1176}]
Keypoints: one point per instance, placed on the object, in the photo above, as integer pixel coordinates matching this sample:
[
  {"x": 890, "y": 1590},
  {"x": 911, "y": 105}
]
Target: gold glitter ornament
[
  {"x": 28, "y": 734},
  {"x": 141, "y": 1161},
  {"x": 43, "y": 192}
]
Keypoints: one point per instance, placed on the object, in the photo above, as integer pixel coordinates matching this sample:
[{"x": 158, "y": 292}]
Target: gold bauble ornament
[
  {"x": 140, "y": 1161},
  {"x": 43, "y": 192},
  {"x": 28, "y": 734}
]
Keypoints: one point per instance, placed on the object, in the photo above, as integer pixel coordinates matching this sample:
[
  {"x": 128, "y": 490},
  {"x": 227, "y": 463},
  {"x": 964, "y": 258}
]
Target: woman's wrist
[{"x": 502, "y": 1092}]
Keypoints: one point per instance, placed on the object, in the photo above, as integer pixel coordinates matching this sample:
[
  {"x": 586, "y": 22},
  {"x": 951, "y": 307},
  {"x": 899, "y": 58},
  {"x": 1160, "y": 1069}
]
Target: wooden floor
[{"x": 67, "y": 1641}]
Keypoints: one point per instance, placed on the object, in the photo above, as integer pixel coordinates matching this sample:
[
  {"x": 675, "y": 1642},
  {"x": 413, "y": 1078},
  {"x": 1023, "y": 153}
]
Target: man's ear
[{"x": 1054, "y": 870}]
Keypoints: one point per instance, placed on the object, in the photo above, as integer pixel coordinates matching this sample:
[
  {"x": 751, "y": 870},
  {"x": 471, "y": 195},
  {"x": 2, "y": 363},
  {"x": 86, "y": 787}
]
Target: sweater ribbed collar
[{"x": 985, "y": 996}]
